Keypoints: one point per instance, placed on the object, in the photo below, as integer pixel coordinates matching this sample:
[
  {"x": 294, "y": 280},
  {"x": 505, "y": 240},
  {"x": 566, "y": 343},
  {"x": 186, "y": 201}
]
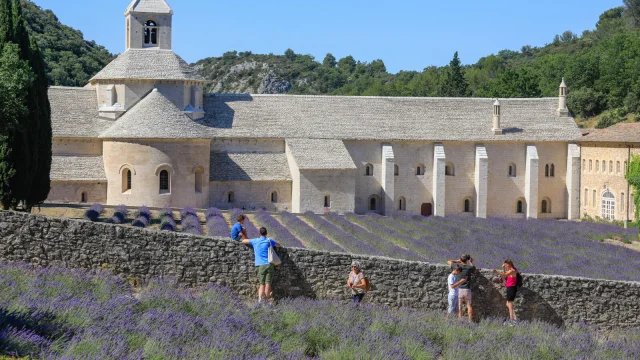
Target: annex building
[{"x": 142, "y": 132}]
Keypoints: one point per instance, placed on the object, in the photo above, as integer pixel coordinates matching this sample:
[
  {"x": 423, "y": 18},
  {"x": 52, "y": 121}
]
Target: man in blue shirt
[
  {"x": 264, "y": 268},
  {"x": 238, "y": 232}
]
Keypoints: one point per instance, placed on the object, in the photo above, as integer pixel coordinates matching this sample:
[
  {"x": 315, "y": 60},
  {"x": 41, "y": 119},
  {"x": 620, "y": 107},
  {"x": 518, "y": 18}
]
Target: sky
[{"x": 405, "y": 34}]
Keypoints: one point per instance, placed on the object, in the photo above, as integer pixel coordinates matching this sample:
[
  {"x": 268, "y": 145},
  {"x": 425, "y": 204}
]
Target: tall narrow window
[
  {"x": 546, "y": 170},
  {"x": 402, "y": 203},
  {"x": 150, "y": 33},
  {"x": 622, "y": 201},
  {"x": 544, "y": 206},
  {"x": 198, "y": 182},
  {"x": 396, "y": 170},
  {"x": 126, "y": 180},
  {"x": 164, "y": 181},
  {"x": 610, "y": 167},
  {"x": 604, "y": 166},
  {"x": 327, "y": 201},
  {"x": 420, "y": 169},
  {"x": 274, "y": 197},
  {"x": 584, "y": 165},
  {"x": 231, "y": 197},
  {"x": 83, "y": 197},
  {"x": 467, "y": 205},
  {"x": 512, "y": 170},
  {"x": 519, "y": 207},
  {"x": 590, "y": 165},
  {"x": 373, "y": 204},
  {"x": 597, "y": 165},
  {"x": 593, "y": 203},
  {"x": 618, "y": 167},
  {"x": 586, "y": 197},
  {"x": 368, "y": 170},
  {"x": 552, "y": 172},
  {"x": 625, "y": 168}
]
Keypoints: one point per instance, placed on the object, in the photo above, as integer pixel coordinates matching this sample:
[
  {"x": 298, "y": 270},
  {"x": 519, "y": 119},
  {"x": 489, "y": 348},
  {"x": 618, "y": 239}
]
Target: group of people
[{"x": 459, "y": 282}]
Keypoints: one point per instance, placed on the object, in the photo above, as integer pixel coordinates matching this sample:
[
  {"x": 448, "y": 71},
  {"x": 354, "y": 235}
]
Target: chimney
[
  {"x": 562, "y": 103},
  {"x": 497, "y": 130}
]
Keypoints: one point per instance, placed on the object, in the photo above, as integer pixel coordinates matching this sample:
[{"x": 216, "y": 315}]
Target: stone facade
[
  {"x": 193, "y": 260},
  {"x": 144, "y": 113}
]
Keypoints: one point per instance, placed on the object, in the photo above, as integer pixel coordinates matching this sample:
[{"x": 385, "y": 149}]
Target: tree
[
  {"x": 347, "y": 64},
  {"x": 329, "y": 61},
  {"x": 633, "y": 10},
  {"x": 455, "y": 84},
  {"x": 290, "y": 54},
  {"x": 521, "y": 83},
  {"x": 586, "y": 102}
]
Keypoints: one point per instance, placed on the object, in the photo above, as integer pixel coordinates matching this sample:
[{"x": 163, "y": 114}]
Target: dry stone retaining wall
[{"x": 194, "y": 260}]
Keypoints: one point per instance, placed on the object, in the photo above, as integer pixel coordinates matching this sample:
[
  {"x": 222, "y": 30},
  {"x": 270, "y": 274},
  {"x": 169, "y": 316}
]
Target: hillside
[{"x": 70, "y": 60}]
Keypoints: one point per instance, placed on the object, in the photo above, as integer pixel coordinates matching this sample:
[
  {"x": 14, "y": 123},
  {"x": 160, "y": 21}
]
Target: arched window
[
  {"x": 520, "y": 207},
  {"x": 552, "y": 172},
  {"x": 584, "y": 165},
  {"x": 590, "y": 165},
  {"x": 126, "y": 180},
  {"x": 610, "y": 167},
  {"x": 83, "y": 197},
  {"x": 512, "y": 170},
  {"x": 467, "y": 205},
  {"x": 396, "y": 170},
  {"x": 402, "y": 203},
  {"x": 449, "y": 169},
  {"x": 372, "y": 204},
  {"x": 546, "y": 170},
  {"x": 625, "y": 168},
  {"x": 368, "y": 170},
  {"x": 150, "y": 33},
  {"x": 420, "y": 169},
  {"x": 545, "y": 206},
  {"x": 198, "y": 184},
  {"x": 597, "y": 165},
  {"x": 608, "y": 205},
  {"x": 164, "y": 182},
  {"x": 593, "y": 202},
  {"x": 231, "y": 197},
  {"x": 604, "y": 166},
  {"x": 618, "y": 167},
  {"x": 327, "y": 201},
  {"x": 622, "y": 201},
  {"x": 274, "y": 197}
]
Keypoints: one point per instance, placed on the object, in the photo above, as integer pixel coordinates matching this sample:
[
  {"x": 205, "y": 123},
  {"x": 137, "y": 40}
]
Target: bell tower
[{"x": 148, "y": 25}]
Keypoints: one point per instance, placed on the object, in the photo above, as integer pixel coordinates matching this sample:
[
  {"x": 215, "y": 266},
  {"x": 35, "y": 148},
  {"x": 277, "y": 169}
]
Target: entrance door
[{"x": 427, "y": 209}]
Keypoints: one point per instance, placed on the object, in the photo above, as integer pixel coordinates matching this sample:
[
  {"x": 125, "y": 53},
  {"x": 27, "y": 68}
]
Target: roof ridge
[
  {"x": 71, "y": 88},
  {"x": 381, "y": 97}
]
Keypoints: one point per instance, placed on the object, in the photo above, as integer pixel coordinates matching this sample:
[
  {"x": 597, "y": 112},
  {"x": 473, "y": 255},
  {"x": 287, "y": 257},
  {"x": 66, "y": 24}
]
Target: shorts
[
  {"x": 511, "y": 293},
  {"x": 265, "y": 274},
  {"x": 453, "y": 304},
  {"x": 357, "y": 298},
  {"x": 464, "y": 295}
]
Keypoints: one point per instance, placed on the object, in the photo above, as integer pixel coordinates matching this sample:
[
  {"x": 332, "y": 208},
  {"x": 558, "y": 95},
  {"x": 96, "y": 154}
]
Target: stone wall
[{"x": 194, "y": 260}]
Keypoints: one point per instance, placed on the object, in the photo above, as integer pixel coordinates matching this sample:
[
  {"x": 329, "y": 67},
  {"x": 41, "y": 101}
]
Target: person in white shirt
[{"x": 453, "y": 282}]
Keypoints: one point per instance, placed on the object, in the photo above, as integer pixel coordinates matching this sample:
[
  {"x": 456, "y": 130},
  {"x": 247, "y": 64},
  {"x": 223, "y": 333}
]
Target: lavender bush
[
  {"x": 166, "y": 212},
  {"x": 216, "y": 224},
  {"x": 75, "y": 314},
  {"x": 252, "y": 231},
  {"x": 312, "y": 238},
  {"x": 276, "y": 231},
  {"x": 339, "y": 236},
  {"x": 119, "y": 215},
  {"x": 142, "y": 217},
  {"x": 190, "y": 221},
  {"x": 93, "y": 212}
]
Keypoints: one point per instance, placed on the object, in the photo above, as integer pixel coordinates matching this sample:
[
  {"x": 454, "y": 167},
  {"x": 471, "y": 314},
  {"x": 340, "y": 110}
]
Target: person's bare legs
[
  {"x": 460, "y": 302},
  {"x": 512, "y": 313},
  {"x": 470, "y": 311},
  {"x": 267, "y": 292},
  {"x": 260, "y": 291}
]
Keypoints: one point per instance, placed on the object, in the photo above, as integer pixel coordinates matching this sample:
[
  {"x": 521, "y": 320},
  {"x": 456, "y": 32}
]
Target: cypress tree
[
  {"x": 455, "y": 84},
  {"x": 6, "y": 22}
]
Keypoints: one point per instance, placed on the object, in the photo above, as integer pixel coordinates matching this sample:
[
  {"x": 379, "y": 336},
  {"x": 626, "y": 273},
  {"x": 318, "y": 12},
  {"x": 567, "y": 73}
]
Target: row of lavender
[{"x": 57, "y": 313}]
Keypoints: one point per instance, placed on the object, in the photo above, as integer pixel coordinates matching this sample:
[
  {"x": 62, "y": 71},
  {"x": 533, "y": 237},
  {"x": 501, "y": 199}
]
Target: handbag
[{"x": 274, "y": 259}]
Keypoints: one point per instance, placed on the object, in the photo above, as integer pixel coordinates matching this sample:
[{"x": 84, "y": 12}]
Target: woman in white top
[{"x": 356, "y": 282}]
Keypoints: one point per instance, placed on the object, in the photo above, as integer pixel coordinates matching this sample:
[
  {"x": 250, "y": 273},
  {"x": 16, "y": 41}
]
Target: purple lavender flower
[
  {"x": 93, "y": 212},
  {"x": 216, "y": 224}
]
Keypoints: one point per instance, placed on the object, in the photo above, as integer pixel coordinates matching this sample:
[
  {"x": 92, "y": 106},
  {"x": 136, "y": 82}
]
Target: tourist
[
  {"x": 265, "y": 270},
  {"x": 510, "y": 273},
  {"x": 238, "y": 231},
  {"x": 452, "y": 283},
  {"x": 356, "y": 282},
  {"x": 464, "y": 289}
]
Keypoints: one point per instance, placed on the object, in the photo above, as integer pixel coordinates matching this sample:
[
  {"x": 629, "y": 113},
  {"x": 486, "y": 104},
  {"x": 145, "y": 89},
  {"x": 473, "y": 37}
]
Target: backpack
[
  {"x": 519, "y": 280},
  {"x": 367, "y": 285}
]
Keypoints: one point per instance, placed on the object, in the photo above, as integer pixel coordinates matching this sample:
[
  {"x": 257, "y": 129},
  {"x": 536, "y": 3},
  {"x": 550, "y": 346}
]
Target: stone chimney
[
  {"x": 497, "y": 130},
  {"x": 562, "y": 103}
]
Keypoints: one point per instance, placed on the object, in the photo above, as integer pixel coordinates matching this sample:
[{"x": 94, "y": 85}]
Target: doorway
[{"x": 427, "y": 209}]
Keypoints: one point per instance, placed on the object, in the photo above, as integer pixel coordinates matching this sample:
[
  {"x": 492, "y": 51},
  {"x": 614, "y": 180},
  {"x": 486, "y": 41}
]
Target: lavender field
[
  {"x": 536, "y": 246},
  {"x": 58, "y": 313}
]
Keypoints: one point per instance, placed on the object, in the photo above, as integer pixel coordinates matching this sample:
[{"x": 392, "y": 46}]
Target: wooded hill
[{"x": 601, "y": 68}]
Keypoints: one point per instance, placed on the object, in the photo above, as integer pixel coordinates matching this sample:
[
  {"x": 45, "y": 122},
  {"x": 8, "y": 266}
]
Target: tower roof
[
  {"x": 149, "y": 6},
  {"x": 563, "y": 85},
  {"x": 148, "y": 64},
  {"x": 155, "y": 117}
]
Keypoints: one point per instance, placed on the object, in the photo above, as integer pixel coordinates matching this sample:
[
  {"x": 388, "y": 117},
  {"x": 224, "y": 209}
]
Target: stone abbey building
[{"x": 143, "y": 133}]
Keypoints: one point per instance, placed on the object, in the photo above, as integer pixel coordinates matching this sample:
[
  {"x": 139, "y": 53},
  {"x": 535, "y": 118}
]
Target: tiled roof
[
  {"x": 320, "y": 154},
  {"x": 155, "y": 117},
  {"x": 149, "y": 6},
  {"x": 385, "y": 118},
  {"x": 622, "y": 132},
  {"x": 249, "y": 167},
  {"x": 77, "y": 168},
  {"x": 153, "y": 64},
  {"x": 74, "y": 112}
]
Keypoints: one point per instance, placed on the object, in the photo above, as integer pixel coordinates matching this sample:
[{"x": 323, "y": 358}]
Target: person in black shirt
[{"x": 464, "y": 290}]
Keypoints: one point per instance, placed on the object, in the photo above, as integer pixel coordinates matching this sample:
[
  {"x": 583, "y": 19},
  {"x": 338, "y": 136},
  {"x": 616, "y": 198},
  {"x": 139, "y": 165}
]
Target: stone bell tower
[{"x": 148, "y": 25}]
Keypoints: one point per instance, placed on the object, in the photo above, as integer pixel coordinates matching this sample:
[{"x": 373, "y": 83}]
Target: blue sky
[{"x": 406, "y": 34}]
